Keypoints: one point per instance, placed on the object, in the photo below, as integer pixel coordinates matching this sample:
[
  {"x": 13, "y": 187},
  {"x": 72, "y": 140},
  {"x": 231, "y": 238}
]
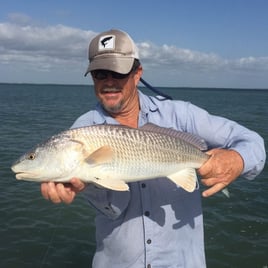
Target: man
[{"x": 155, "y": 223}]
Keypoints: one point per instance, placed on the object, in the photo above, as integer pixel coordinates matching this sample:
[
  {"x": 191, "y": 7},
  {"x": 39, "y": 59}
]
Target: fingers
[
  {"x": 222, "y": 168},
  {"x": 44, "y": 190},
  {"x": 206, "y": 168},
  {"x": 77, "y": 185},
  {"x": 215, "y": 185},
  {"x": 209, "y": 182},
  {"x": 53, "y": 192},
  {"x": 59, "y": 192},
  {"x": 65, "y": 193},
  {"x": 214, "y": 189}
]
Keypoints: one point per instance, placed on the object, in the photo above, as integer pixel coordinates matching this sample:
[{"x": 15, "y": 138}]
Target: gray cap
[{"x": 113, "y": 50}]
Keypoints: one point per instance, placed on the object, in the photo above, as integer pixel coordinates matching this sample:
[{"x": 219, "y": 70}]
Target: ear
[{"x": 138, "y": 74}]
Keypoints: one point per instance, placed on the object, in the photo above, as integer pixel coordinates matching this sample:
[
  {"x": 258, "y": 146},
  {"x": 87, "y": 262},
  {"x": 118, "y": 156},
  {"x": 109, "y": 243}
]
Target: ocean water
[{"x": 37, "y": 233}]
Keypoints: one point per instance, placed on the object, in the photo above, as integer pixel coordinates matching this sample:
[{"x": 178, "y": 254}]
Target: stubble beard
[{"x": 115, "y": 108}]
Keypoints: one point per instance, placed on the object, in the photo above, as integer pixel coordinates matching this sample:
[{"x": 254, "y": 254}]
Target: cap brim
[{"x": 116, "y": 64}]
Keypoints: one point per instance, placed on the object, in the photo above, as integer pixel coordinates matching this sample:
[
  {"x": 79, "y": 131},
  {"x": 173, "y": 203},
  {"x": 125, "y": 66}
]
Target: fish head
[{"x": 51, "y": 160}]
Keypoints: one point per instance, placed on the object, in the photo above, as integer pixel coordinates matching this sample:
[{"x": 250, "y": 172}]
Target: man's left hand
[{"x": 222, "y": 168}]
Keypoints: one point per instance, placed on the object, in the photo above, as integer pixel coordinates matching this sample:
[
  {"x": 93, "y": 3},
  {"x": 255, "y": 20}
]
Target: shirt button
[
  {"x": 149, "y": 241},
  {"x": 147, "y": 213},
  {"x": 143, "y": 185}
]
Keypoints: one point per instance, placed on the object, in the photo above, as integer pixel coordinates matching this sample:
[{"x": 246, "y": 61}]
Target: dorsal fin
[{"x": 188, "y": 137}]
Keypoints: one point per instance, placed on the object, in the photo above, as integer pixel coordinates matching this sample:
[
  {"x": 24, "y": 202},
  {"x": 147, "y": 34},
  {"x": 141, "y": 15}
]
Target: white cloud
[
  {"x": 62, "y": 50},
  {"x": 51, "y": 41},
  {"x": 28, "y": 51},
  {"x": 176, "y": 60},
  {"x": 171, "y": 56},
  {"x": 19, "y": 18}
]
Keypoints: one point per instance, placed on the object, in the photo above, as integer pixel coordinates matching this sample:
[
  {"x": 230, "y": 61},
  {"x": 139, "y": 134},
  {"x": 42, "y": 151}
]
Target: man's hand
[
  {"x": 62, "y": 192},
  {"x": 222, "y": 168}
]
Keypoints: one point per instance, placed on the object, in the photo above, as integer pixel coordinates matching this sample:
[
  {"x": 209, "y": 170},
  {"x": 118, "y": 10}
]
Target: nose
[{"x": 110, "y": 80}]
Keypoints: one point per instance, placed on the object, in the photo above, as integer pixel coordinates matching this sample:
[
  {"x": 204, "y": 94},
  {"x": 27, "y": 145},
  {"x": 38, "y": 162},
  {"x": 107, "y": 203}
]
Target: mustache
[{"x": 110, "y": 90}]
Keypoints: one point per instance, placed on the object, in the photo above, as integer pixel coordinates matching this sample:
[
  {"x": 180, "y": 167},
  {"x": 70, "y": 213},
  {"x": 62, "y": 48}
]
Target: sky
[{"x": 190, "y": 43}]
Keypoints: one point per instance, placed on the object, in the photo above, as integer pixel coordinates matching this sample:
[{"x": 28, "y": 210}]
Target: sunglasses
[{"x": 103, "y": 74}]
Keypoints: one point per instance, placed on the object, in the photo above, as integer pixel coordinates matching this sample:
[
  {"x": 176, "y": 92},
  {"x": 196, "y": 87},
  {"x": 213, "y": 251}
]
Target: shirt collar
[
  {"x": 147, "y": 103},
  {"x": 102, "y": 117}
]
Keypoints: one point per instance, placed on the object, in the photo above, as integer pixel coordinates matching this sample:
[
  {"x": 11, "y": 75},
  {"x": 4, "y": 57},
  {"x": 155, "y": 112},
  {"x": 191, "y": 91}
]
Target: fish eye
[{"x": 31, "y": 156}]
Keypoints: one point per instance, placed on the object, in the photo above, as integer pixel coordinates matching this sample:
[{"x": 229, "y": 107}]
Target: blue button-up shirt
[{"x": 157, "y": 224}]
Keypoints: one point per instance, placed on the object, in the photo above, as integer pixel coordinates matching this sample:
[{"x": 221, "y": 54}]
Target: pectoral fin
[
  {"x": 102, "y": 155},
  {"x": 185, "y": 178},
  {"x": 115, "y": 185}
]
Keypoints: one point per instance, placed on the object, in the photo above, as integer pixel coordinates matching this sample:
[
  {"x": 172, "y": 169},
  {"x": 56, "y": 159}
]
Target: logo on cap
[{"x": 107, "y": 42}]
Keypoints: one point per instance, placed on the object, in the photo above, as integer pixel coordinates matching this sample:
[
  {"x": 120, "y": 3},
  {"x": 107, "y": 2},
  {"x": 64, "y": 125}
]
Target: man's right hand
[{"x": 58, "y": 192}]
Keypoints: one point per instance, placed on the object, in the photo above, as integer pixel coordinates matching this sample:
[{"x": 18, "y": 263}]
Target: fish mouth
[
  {"x": 25, "y": 175},
  {"x": 22, "y": 174}
]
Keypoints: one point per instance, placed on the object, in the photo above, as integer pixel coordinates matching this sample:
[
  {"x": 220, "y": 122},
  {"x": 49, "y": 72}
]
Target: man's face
[{"x": 116, "y": 94}]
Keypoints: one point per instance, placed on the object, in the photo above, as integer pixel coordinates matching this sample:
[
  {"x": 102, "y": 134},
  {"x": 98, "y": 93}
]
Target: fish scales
[
  {"x": 111, "y": 156},
  {"x": 152, "y": 151}
]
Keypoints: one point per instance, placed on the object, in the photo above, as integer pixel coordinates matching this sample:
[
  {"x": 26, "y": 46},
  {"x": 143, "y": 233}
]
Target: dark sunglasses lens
[
  {"x": 119, "y": 76},
  {"x": 103, "y": 74},
  {"x": 99, "y": 75}
]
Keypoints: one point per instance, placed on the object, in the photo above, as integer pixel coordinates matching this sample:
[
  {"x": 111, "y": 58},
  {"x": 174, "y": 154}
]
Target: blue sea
[{"x": 36, "y": 233}]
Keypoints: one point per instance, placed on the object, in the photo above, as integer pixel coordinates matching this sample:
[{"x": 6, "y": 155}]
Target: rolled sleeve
[
  {"x": 220, "y": 132},
  {"x": 253, "y": 153}
]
